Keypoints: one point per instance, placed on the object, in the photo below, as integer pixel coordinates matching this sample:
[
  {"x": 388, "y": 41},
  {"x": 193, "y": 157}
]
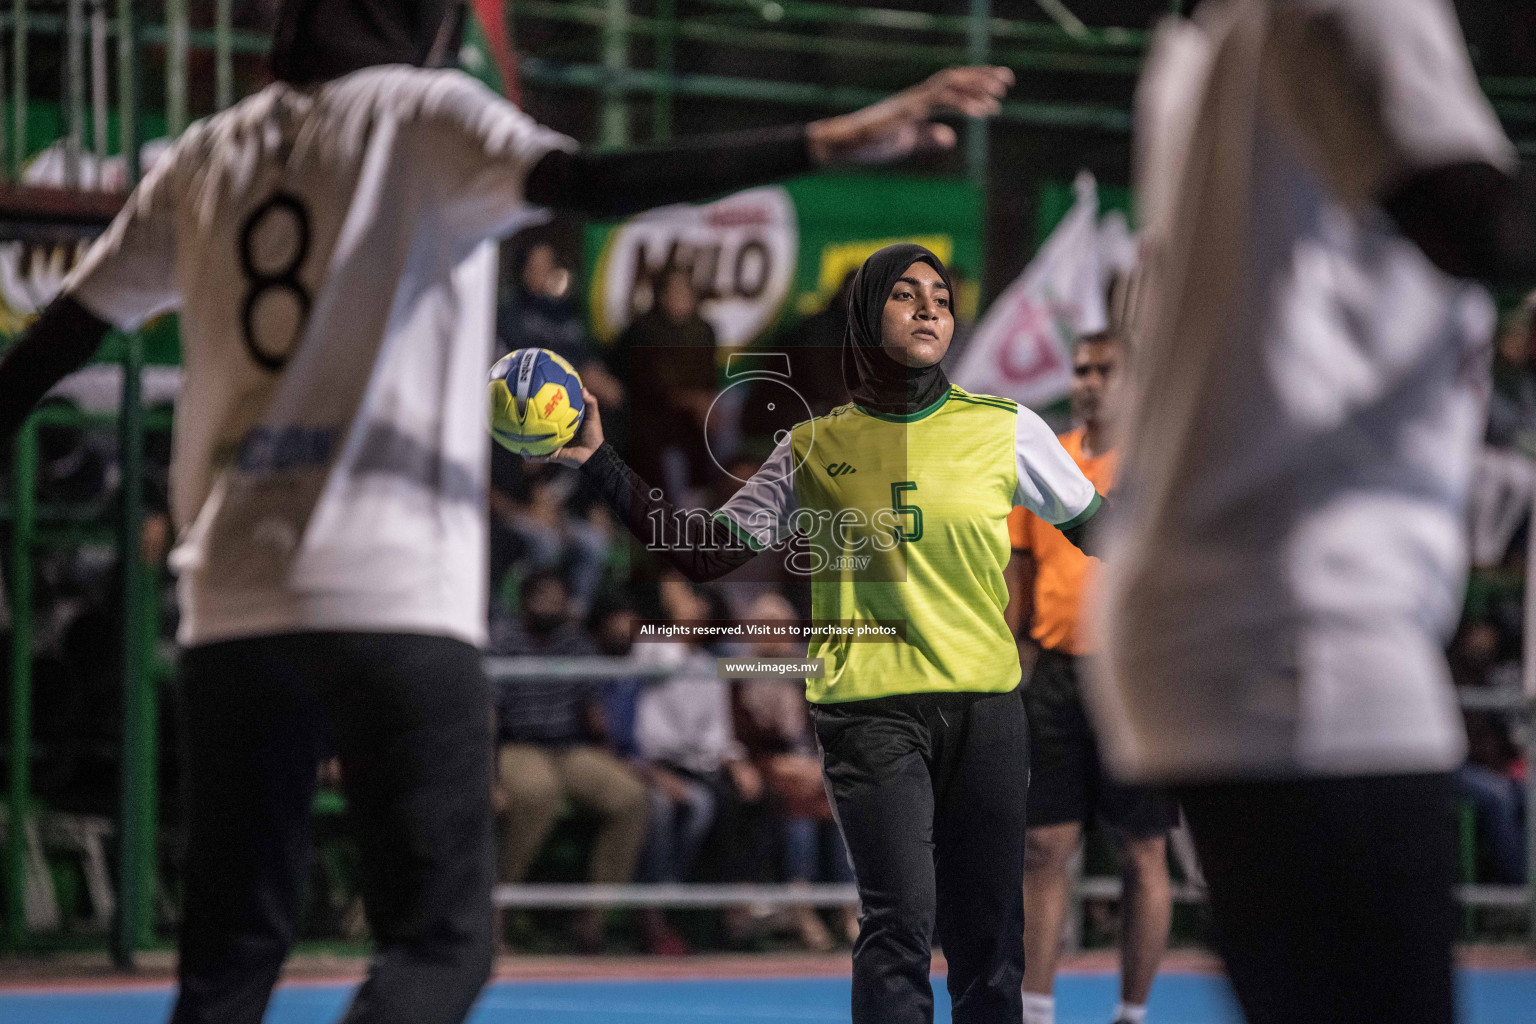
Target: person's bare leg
[
  {"x": 810, "y": 928},
  {"x": 1047, "y": 851},
  {"x": 848, "y": 917},
  {"x": 1147, "y": 910}
]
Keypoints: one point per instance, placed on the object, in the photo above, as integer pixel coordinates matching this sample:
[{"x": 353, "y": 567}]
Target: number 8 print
[{"x": 284, "y": 278}]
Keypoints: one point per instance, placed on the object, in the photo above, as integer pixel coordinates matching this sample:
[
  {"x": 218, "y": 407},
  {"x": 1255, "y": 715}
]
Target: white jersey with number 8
[{"x": 329, "y": 250}]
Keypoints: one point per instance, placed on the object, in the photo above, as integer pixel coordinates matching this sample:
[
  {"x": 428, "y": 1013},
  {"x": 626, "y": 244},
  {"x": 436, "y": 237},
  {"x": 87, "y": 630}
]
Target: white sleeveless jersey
[
  {"x": 329, "y": 250},
  {"x": 1307, "y": 396}
]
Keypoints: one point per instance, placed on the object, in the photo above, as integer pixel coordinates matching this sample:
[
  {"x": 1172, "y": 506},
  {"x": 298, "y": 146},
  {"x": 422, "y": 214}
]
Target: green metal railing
[
  {"x": 23, "y": 528},
  {"x": 930, "y": 55},
  {"x": 793, "y": 27},
  {"x": 34, "y": 528},
  {"x": 917, "y": 40},
  {"x": 137, "y": 816}
]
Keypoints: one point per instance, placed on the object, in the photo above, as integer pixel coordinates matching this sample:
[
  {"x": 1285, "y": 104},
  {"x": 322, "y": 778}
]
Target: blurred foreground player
[
  {"x": 1319, "y": 178},
  {"x": 328, "y": 242},
  {"x": 1067, "y": 787}
]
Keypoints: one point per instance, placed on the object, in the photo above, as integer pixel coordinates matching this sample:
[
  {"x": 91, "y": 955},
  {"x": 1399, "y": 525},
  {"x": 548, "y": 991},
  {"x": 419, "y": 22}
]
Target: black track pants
[
  {"x": 1332, "y": 898},
  {"x": 929, "y": 791},
  {"x": 410, "y": 718}
]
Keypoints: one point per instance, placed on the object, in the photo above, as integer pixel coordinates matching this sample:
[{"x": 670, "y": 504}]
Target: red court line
[{"x": 79, "y": 985}]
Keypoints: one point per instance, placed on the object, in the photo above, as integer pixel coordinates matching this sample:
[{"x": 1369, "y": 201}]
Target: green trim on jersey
[
  {"x": 911, "y": 417},
  {"x": 1083, "y": 516},
  {"x": 932, "y": 493},
  {"x": 999, "y": 403}
]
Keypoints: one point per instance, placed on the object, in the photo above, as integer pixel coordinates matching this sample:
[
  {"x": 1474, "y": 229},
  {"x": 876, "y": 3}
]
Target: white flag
[{"x": 1022, "y": 348}]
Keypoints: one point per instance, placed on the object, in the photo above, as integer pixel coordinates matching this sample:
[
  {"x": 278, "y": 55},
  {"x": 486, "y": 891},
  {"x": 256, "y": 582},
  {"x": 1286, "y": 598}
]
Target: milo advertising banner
[{"x": 762, "y": 258}]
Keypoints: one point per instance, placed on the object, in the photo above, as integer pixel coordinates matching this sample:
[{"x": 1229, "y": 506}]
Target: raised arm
[
  {"x": 1388, "y": 110},
  {"x": 123, "y": 279},
  {"x": 58, "y": 342},
  {"x": 615, "y": 184}
]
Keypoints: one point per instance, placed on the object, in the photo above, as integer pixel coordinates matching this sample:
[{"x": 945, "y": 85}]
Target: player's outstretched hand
[
  {"x": 903, "y": 124},
  {"x": 589, "y": 437}
]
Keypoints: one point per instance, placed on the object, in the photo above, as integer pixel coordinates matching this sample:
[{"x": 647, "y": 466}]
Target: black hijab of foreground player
[
  {"x": 318, "y": 40},
  {"x": 875, "y": 380}
]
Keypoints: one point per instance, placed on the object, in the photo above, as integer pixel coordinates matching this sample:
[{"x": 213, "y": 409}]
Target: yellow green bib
[{"x": 931, "y": 494}]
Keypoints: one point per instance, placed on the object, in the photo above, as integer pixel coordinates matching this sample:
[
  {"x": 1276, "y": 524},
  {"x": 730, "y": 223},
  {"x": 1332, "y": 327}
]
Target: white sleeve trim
[
  {"x": 763, "y": 509},
  {"x": 1049, "y": 482}
]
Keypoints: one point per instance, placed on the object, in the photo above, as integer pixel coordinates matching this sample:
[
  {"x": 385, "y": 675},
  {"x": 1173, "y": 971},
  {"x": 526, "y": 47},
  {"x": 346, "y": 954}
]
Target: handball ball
[{"x": 535, "y": 401}]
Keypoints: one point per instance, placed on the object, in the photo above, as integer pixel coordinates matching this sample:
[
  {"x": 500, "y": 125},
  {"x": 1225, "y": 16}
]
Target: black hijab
[
  {"x": 875, "y": 380},
  {"x": 318, "y": 40}
]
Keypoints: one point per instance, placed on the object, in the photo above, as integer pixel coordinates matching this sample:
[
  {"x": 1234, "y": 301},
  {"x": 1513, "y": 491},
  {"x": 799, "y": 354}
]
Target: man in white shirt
[
  {"x": 329, "y": 243},
  {"x": 1318, "y": 179}
]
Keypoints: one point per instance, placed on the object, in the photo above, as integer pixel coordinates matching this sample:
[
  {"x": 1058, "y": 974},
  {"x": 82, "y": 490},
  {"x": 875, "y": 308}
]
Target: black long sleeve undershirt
[
  {"x": 57, "y": 343},
  {"x": 615, "y": 184},
  {"x": 693, "y": 543},
  {"x": 1472, "y": 220},
  {"x": 1084, "y": 536},
  {"x": 603, "y": 184}
]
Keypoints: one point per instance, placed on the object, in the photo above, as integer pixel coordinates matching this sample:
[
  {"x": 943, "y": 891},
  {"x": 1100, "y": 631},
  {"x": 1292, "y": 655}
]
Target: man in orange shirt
[{"x": 1066, "y": 781}]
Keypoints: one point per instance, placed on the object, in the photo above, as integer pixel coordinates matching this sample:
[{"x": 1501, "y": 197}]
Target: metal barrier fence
[{"x": 1506, "y": 700}]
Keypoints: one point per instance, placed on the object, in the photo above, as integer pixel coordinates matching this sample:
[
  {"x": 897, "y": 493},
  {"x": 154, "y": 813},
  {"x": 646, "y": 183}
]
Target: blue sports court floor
[{"x": 1488, "y": 997}]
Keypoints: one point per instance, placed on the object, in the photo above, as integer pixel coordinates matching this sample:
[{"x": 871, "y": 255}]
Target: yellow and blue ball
[{"x": 535, "y": 401}]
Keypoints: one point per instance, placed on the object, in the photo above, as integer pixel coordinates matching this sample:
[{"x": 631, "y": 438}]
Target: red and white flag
[{"x": 1022, "y": 347}]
